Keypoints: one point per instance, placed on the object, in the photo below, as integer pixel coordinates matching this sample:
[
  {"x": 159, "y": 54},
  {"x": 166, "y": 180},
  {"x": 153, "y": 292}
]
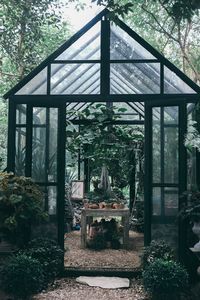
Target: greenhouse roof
[{"x": 105, "y": 62}]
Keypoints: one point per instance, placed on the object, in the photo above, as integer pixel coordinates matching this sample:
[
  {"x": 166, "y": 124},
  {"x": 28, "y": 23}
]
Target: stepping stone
[{"x": 104, "y": 282}]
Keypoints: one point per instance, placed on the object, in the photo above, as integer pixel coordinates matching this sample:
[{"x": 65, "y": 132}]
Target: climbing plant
[{"x": 103, "y": 143}]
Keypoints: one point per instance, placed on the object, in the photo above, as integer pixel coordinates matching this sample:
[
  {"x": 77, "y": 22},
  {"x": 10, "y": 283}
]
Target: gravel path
[{"x": 69, "y": 289}]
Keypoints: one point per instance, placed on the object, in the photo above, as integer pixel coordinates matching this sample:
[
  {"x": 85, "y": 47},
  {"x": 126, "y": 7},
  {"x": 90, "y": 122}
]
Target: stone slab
[{"x": 104, "y": 282}]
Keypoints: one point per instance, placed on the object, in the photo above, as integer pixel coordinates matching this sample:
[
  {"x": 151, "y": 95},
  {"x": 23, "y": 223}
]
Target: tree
[
  {"x": 29, "y": 31},
  {"x": 178, "y": 9},
  {"x": 179, "y": 41}
]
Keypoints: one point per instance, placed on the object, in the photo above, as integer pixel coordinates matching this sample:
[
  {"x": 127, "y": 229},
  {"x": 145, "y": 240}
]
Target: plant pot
[
  {"x": 196, "y": 231},
  {"x": 102, "y": 205}
]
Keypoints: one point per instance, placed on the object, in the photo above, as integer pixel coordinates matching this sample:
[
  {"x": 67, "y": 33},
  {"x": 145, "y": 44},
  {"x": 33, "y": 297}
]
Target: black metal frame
[{"x": 141, "y": 104}]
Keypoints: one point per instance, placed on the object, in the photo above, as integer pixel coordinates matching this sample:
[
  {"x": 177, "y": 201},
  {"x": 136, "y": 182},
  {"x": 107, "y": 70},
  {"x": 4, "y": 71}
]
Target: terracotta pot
[
  {"x": 93, "y": 206},
  {"x": 102, "y": 205}
]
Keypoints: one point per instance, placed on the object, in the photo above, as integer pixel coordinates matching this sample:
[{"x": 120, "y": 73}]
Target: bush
[
  {"x": 21, "y": 206},
  {"x": 165, "y": 278},
  {"x": 22, "y": 276},
  {"x": 157, "y": 249},
  {"x": 49, "y": 254}
]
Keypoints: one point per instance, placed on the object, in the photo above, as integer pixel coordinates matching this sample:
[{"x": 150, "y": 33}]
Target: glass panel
[
  {"x": 39, "y": 115},
  {"x": 156, "y": 146},
  {"x": 171, "y": 155},
  {"x": 53, "y": 130},
  {"x": 86, "y": 47},
  {"x": 166, "y": 232},
  {"x": 20, "y": 143},
  {"x": 52, "y": 200},
  {"x": 75, "y": 79},
  {"x": 36, "y": 86},
  {"x": 38, "y": 154},
  {"x": 123, "y": 46},
  {"x": 171, "y": 115},
  {"x": 21, "y": 114},
  {"x": 156, "y": 201},
  {"x": 135, "y": 78},
  {"x": 174, "y": 84},
  {"x": 171, "y": 201},
  {"x": 47, "y": 229}
]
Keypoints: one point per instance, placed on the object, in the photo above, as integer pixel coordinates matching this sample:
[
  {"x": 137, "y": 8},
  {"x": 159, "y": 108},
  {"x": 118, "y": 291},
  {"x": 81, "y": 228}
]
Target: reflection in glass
[
  {"x": 20, "y": 144},
  {"x": 86, "y": 47},
  {"x": 36, "y": 86},
  {"x": 38, "y": 154},
  {"x": 173, "y": 84},
  {"x": 171, "y": 201},
  {"x": 171, "y": 155},
  {"x": 156, "y": 201},
  {"x": 138, "y": 78},
  {"x": 123, "y": 46},
  {"x": 52, "y": 200},
  {"x": 156, "y": 146},
  {"x": 75, "y": 79},
  {"x": 39, "y": 115},
  {"x": 21, "y": 114}
]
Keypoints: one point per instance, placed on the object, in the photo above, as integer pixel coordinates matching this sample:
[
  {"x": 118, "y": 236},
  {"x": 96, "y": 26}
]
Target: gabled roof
[{"x": 75, "y": 68}]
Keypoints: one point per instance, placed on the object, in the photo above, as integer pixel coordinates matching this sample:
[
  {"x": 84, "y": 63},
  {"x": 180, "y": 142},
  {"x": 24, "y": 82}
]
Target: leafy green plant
[
  {"x": 157, "y": 250},
  {"x": 21, "y": 206},
  {"x": 191, "y": 207},
  {"x": 22, "y": 277},
  {"x": 49, "y": 254},
  {"x": 164, "y": 278}
]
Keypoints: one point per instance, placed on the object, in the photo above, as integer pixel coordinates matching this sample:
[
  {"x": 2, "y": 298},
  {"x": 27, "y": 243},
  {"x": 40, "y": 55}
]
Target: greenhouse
[{"x": 106, "y": 79}]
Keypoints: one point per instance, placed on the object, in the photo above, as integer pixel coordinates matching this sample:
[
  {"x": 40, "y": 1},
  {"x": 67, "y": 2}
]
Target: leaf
[{"x": 14, "y": 199}]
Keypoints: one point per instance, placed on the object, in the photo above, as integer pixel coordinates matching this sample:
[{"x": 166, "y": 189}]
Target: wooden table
[{"x": 88, "y": 213}]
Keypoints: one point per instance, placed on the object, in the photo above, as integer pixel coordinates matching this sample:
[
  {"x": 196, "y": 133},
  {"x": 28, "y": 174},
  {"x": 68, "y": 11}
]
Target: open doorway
[{"x": 104, "y": 201}]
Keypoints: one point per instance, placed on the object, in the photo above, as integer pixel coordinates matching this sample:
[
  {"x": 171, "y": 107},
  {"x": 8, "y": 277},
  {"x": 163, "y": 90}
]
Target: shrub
[
  {"x": 157, "y": 249},
  {"x": 21, "y": 206},
  {"x": 49, "y": 254},
  {"x": 22, "y": 276},
  {"x": 163, "y": 277}
]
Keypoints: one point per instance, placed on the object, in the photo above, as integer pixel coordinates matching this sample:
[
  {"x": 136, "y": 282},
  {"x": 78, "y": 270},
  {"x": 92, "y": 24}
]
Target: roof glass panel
[
  {"x": 138, "y": 78},
  {"x": 86, "y": 47},
  {"x": 75, "y": 79},
  {"x": 123, "y": 46},
  {"x": 173, "y": 84},
  {"x": 36, "y": 86}
]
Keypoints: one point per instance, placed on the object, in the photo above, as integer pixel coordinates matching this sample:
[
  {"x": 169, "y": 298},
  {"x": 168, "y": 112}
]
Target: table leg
[
  {"x": 125, "y": 222},
  {"x": 83, "y": 230}
]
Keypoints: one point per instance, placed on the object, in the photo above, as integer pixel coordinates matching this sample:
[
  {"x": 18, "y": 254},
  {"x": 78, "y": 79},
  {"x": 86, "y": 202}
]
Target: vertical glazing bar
[
  {"x": 182, "y": 177},
  {"x": 148, "y": 175},
  {"x": 49, "y": 79},
  {"x": 61, "y": 173},
  {"x": 29, "y": 133},
  {"x": 162, "y": 158},
  {"x": 161, "y": 78},
  {"x": 47, "y": 152},
  {"x": 11, "y": 136},
  {"x": 105, "y": 57}
]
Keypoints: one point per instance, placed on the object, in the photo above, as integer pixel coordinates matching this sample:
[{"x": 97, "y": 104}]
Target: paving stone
[{"x": 104, "y": 282}]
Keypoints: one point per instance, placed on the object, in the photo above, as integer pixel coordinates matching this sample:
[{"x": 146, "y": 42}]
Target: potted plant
[
  {"x": 190, "y": 211},
  {"x": 21, "y": 206}
]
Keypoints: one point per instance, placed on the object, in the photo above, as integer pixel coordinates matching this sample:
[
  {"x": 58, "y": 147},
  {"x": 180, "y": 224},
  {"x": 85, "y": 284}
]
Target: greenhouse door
[
  {"x": 40, "y": 154},
  {"x": 165, "y": 171}
]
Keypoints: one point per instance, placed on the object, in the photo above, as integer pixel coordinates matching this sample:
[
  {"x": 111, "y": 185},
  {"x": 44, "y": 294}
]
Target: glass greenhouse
[{"x": 105, "y": 63}]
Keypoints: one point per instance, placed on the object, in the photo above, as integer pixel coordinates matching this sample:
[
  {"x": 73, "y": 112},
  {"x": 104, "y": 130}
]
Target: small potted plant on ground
[{"x": 190, "y": 212}]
